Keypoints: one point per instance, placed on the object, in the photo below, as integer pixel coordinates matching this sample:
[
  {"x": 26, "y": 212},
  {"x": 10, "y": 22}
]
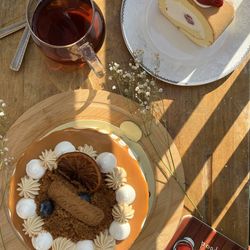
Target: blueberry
[
  {"x": 46, "y": 208},
  {"x": 85, "y": 196}
]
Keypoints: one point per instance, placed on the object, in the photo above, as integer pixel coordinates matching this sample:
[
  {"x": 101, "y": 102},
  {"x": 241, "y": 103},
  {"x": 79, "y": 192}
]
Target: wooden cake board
[{"x": 114, "y": 109}]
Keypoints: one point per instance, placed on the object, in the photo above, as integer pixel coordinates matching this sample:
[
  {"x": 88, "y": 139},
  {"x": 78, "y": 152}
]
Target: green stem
[
  {"x": 176, "y": 179},
  {"x": 2, "y": 199},
  {"x": 1, "y": 235}
]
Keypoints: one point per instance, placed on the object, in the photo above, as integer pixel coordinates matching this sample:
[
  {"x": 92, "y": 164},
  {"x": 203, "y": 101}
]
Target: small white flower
[
  {"x": 137, "y": 89},
  {"x": 3, "y": 105},
  {"x": 160, "y": 90},
  {"x": 5, "y": 149},
  {"x": 152, "y": 83},
  {"x": 147, "y": 93},
  {"x": 2, "y": 114},
  {"x": 110, "y": 78},
  {"x": 114, "y": 87},
  {"x": 116, "y": 65},
  {"x": 111, "y": 68}
]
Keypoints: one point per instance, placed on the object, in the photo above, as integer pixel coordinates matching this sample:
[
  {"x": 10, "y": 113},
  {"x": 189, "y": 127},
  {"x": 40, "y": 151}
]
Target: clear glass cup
[{"x": 80, "y": 14}]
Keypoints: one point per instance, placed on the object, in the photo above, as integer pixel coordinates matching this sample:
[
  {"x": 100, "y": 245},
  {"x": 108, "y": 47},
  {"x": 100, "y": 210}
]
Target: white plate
[{"x": 181, "y": 61}]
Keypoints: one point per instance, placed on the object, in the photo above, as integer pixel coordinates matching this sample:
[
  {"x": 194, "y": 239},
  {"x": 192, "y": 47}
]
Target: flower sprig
[
  {"x": 135, "y": 84},
  {"x": 5, "y": 159}
]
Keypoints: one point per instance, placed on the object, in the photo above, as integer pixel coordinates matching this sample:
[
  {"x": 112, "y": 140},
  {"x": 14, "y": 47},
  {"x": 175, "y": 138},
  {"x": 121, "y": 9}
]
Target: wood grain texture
[{"x": 209, "y": 124}]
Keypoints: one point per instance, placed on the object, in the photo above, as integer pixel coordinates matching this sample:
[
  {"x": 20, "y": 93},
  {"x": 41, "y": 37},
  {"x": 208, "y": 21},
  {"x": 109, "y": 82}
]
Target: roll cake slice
[{"x": 202, "y": 25}]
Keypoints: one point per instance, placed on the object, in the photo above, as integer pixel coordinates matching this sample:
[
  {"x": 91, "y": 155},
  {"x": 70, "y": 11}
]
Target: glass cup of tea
[{"x": 69, "y": 32}]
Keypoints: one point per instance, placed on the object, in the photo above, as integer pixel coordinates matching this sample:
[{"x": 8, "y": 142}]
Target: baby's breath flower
[
  {"x": 5, "y": 159},
  {"x": 136, "y": 84}
]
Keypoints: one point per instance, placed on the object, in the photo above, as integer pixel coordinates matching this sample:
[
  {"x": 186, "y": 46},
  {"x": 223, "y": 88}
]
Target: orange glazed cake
[{"x": 80, "y": 190}]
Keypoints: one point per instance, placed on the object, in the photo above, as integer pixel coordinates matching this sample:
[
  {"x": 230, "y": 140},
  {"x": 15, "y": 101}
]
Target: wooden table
[{"x": 209, "y": 124}]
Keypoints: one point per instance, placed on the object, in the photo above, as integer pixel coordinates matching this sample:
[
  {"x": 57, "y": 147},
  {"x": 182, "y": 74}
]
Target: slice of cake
[
  {"x": 78, "y": 190},
  {"x": 203, "y": 25}
]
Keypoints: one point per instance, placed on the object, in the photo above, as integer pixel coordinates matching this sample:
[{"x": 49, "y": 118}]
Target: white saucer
[{"x": 183, "y": 62}]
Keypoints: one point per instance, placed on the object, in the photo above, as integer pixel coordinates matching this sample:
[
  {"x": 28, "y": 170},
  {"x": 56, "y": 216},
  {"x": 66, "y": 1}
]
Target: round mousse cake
[{"x": 78, "y": 189}]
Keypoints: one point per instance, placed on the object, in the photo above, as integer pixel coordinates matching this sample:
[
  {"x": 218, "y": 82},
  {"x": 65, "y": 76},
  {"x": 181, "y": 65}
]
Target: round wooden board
[{"x": 100, "y": 105}]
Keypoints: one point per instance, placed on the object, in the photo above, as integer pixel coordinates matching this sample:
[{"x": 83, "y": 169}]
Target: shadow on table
[{"x": 208, "y": 137}]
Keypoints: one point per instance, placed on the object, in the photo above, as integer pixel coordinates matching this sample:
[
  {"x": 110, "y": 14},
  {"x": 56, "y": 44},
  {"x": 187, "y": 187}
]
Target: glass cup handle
[{"x": 91, "y": 58}]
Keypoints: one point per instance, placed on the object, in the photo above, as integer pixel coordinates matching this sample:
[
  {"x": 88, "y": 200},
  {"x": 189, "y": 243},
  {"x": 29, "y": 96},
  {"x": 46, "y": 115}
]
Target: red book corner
[{"x": 193, "y": 234}]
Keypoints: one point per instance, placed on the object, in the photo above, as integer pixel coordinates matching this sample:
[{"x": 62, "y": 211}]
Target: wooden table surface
[{"x": 209, "y": 124}]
